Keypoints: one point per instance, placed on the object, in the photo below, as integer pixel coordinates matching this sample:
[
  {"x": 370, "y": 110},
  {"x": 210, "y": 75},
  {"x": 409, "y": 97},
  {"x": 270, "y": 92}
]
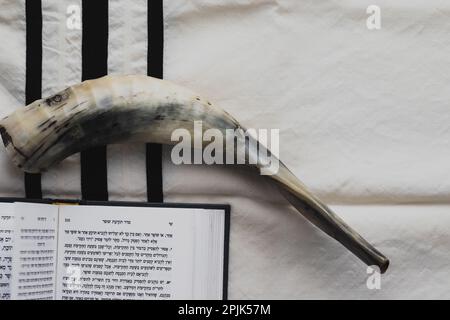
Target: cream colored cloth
[{"x": 363, "y": 117}]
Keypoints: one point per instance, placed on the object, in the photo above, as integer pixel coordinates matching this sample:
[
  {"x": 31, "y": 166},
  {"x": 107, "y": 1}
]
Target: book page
[
  {"x": 34, "y": 251},
  {"x": 6, "y": 239},
  {"x": 209, "y": 246},
  {"x": 109, "y": 252}
]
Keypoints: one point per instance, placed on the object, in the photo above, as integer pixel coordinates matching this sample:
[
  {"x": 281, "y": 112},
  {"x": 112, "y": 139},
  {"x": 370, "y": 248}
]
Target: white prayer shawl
[{"x": 363, "y": 115}]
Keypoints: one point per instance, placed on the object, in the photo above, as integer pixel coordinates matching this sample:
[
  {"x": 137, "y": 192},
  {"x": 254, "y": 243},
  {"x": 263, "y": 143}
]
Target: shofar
[{"x": 116, "y": 109}]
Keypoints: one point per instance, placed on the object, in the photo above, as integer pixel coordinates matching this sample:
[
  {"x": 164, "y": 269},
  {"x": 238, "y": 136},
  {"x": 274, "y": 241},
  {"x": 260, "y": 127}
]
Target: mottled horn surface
[{"x": 118, "y": 109}]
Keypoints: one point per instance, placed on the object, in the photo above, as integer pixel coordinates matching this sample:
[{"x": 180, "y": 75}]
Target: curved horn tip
[{"x": 384, "y": 266}]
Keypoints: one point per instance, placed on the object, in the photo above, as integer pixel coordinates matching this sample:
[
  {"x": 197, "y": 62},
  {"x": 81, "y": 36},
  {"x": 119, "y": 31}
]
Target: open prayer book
[{"x": 113, "y": 250}]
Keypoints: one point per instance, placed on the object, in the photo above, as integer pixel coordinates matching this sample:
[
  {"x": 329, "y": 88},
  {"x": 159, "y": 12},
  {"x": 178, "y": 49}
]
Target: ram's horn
[{"x": 117, "y": 109}]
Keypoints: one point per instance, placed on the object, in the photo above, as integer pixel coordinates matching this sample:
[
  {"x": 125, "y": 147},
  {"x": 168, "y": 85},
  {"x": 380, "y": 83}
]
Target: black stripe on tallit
[
  {"x": 94, "y": 177},
  {"x": 155, "y": 32},
  {"x": 33, "y": 82}
]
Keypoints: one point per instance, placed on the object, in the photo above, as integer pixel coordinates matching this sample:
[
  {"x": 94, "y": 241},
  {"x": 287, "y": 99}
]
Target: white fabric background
[{"x": 363, "y": 116}]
